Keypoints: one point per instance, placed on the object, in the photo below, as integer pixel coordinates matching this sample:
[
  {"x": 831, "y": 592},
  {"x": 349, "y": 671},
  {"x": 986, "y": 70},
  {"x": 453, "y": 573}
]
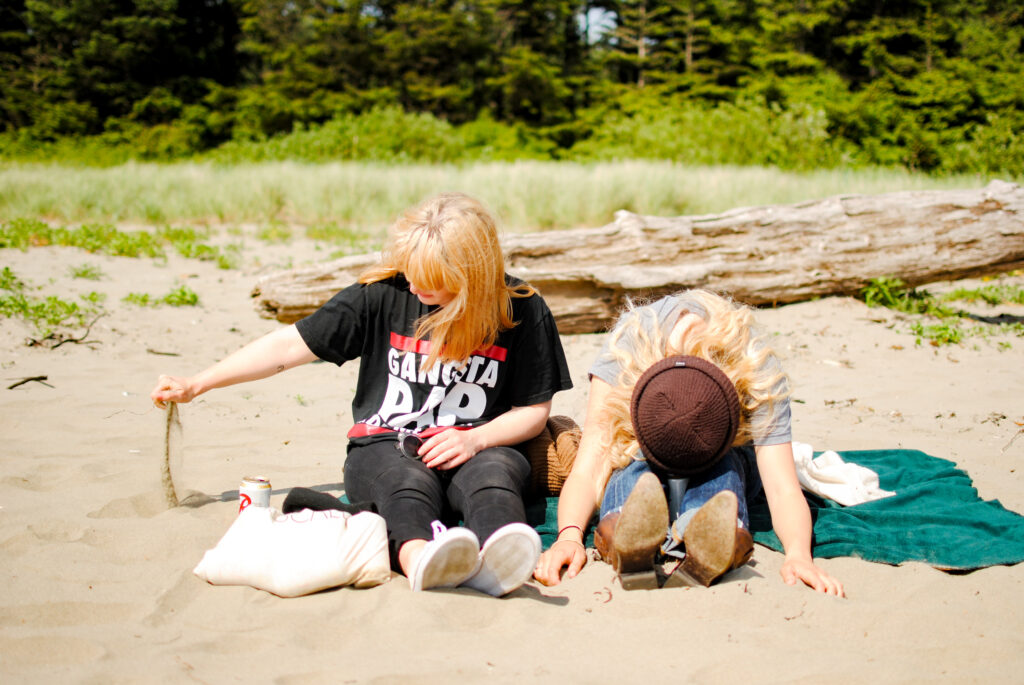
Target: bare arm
[
  {"x": 580, "y": 495},
  {"x": 791, "y": 518},
  {"x": 273, "y": 353}
]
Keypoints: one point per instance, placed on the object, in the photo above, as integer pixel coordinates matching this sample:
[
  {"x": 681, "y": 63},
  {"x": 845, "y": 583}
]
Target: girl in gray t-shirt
[{"x": 707, "y": 523}]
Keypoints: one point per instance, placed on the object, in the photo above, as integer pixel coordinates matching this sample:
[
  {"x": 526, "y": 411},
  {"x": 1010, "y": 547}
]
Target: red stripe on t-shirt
[
  {"x": 494, "y": 352},
  {"x": 407, "y": 344}
]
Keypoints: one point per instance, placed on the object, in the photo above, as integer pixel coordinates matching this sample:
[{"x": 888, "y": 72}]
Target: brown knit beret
[{"x": 685, "y": 413}]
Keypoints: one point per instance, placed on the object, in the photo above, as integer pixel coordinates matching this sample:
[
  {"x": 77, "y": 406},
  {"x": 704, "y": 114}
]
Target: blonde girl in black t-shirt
[{"x": 458, "y": 363}]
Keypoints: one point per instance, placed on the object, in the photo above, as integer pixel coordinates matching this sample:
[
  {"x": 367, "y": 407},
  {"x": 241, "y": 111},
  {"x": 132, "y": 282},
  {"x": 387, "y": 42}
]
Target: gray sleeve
[
  {"x": 663, "y": 314},
  {"x": 605, "y": 367},
  {"x": 778, "y": 417}
]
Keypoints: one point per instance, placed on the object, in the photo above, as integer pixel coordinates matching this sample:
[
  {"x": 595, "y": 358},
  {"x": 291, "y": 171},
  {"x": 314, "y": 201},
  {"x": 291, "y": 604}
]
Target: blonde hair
[
  {"x": 450, "y": 242},
  {"x": 727, "y": 339}
]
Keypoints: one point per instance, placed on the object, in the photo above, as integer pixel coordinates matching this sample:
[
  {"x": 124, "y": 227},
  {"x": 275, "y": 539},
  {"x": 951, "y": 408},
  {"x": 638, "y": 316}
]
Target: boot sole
[
  {"x": 710, "y": 539},
  {"x": 641, "y": 528}
]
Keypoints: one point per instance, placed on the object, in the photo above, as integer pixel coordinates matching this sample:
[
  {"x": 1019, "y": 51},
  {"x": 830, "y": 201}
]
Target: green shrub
[
  {"x": 485, "y": 139},
  {"x": 86, "y": 271},
  {"x": 990, "y": 294},
  {"x": 139, "y": 299},
  {"x": 894, "y": 294},
  {"x": 98, "y": 238},
  {"x": 107, "y": 239},
  {"x": 742, "y": 134},
  {"x": 383, "y": 134},
  {"x": 182, "y": 296}
]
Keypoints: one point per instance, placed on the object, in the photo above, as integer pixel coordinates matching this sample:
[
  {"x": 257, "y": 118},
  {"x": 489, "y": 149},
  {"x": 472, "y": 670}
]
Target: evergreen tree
[
  {"x": 697, "y": 48},
  {"x": 438, "y": 56},
  {"x": 540, "y": 48},
  {"x": 69, "y": 66},
  {"x": 637, "y": 43},
  {"x": 306, "y": 61}
]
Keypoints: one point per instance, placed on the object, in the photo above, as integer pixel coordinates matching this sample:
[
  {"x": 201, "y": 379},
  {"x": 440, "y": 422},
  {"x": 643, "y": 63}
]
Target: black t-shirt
[{"x": 376, "y": 323}]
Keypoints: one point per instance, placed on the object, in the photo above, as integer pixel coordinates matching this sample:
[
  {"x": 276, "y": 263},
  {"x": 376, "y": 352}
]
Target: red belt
[{"x": 363, "y": 430}]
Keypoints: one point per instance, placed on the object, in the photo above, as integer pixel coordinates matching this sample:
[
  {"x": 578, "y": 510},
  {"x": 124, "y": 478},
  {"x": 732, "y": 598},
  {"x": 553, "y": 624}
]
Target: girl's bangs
[{"x": 425, "y": 270}]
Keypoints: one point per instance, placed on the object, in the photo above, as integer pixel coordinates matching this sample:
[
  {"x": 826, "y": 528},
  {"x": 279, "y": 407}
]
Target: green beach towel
[
  {"x": 935, "y": 517},
  {"x": 542, "y": 514}
]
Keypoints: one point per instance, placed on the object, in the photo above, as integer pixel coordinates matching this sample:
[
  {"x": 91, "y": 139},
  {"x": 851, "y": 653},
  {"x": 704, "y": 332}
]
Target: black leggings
[{"x": 486, "y": 491}]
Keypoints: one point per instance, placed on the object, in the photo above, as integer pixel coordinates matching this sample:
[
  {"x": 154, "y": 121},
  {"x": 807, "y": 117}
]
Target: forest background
[{"x": 935, "y": 86}]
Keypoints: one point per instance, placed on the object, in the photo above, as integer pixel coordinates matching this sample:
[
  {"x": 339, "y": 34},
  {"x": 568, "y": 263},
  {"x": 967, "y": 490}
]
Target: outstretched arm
[
  {"x": 580, "y": 495},
  {"x": 791, "y": 519},
  {"x": 273, "y": 353}
]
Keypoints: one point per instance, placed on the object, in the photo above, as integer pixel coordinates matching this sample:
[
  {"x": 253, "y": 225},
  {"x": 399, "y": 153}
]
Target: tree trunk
[{"x": 758, "y": 255}]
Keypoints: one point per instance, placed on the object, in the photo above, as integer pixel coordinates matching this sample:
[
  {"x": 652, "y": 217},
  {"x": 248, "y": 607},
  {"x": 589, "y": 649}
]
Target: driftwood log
[{"x": 759, "y": 255}]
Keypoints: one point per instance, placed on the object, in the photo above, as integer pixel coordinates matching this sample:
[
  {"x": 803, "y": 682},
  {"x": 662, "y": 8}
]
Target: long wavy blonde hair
[
  {"x": 450, "y": 242},
  {"x": 728, "y": 338}
]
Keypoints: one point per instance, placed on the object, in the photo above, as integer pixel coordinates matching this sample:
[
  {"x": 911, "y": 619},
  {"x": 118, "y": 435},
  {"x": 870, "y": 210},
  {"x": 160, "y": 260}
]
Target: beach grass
[
  {"x": 181, "y": 296},
  {"x": 106, "y": 238},
  {"x": 361, "y": 199},
  {"x": 47, "y": 315}
]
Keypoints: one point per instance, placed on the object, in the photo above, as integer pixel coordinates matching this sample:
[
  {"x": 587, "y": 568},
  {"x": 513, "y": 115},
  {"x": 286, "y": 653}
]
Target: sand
[{"x": 97, "y": 583}]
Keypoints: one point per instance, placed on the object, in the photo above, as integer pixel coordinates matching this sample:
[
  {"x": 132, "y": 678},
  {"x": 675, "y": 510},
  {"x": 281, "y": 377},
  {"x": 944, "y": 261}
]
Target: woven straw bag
[{"x": 552, "y": 454}]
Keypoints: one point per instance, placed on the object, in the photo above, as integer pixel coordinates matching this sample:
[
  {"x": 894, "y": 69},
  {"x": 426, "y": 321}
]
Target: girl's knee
[
  {"x": 401, "y": 480},
  {"x": 495, "y": 467},
  {"x": 620, "y": 485}
]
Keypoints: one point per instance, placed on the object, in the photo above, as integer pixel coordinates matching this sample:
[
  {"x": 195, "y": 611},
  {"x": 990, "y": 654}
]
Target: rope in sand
[{"x": 172, "y": 454}]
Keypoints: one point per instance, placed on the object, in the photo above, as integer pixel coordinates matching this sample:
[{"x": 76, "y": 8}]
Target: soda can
[{"x": 254, "y": 491}]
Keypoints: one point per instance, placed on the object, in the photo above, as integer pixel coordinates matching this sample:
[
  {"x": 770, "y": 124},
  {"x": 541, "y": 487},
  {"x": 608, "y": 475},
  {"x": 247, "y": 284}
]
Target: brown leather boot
[
  {"x": 744, "y": 549},
  {"x": 603, "y": 536},
  {"x": 629, "y": 539},
  {"x": 714, "y": 544}
]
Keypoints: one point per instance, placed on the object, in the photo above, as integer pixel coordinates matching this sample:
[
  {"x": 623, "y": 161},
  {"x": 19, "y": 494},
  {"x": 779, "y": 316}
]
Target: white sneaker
[
  {"x": 507, "y": 560},
  {"x": 447, "y": 560}
]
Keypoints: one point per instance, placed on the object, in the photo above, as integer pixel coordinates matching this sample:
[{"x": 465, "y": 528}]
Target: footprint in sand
[
  {"x": 53, "y": 531},
  {"x": 190, "y": 601},
  {"x": 33, "y": 482},
  {"x": 53, "y": 477},
  {"x": 57, "y": 531},
  {"x": 64, "y": 614},
  {"x": 145, "y": 505},
  {"x": 149, "y": 504},
  {"x": 49, "y": 651}
]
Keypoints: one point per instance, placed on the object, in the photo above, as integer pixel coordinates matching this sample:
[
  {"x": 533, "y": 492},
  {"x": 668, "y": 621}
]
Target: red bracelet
[{"x": 565, "y": 528}]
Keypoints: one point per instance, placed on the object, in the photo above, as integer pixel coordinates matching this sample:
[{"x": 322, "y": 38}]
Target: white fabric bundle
[
  {"x": 299, "y": 553},
  {"x": 827, "y": 475}
]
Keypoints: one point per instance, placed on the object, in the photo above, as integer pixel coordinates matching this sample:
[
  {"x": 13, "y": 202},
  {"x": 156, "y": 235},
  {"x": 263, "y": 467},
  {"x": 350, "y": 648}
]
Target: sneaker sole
[
  {"x": 450, "y": 563},
  {"x": 507, "y": 561}
]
